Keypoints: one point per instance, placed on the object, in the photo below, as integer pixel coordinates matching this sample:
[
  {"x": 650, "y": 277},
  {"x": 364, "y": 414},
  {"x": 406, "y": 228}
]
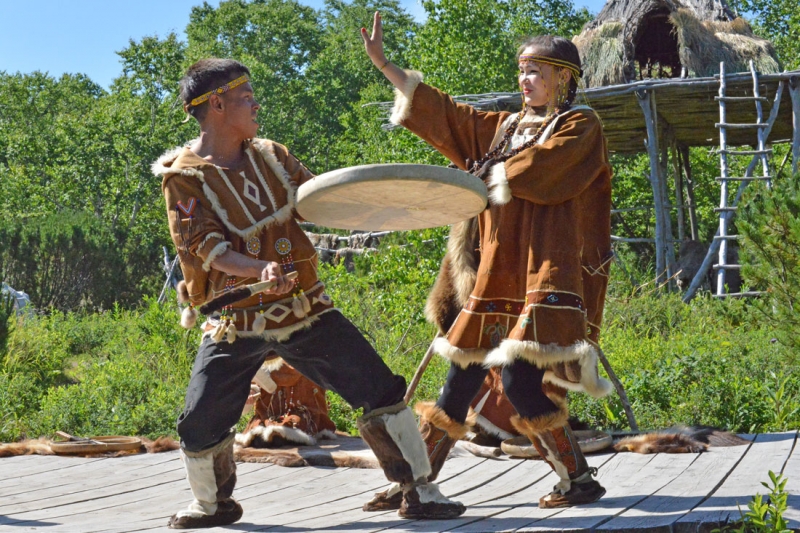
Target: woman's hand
[{"x": 374, "y": 43}]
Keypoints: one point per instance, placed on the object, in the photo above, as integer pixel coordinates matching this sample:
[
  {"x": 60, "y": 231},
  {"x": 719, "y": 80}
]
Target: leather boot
[
  {"x": 212, "y": 477},
  {"x": 439, "y": 433},
  {"x": 392, "y": 434},
  {"x": 552, "y": 437}
]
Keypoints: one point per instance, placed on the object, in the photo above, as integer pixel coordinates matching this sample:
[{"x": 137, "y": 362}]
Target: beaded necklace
[{"x": 497, "y": 153}]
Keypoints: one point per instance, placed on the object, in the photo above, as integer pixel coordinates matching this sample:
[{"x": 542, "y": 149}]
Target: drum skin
[{"x": 391, "y": 197}]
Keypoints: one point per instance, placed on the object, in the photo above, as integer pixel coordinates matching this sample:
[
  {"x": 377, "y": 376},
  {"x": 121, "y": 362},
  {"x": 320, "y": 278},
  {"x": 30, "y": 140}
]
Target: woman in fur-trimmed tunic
[{"x": 530, "y": 298}]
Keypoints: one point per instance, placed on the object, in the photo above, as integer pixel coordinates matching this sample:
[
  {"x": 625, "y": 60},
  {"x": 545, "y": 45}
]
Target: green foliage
[
  {"x": 705, "y": 363},
  {"x": 770, "y": 224},
  {"x": 63, "y": 261},
  {"x": 779, "y": 22},
  {"x": 7, "y": 313},
  {"x": 116, "y": 372},
  {"x": 764, "y": 516},
  {"x": 469, "y": 46}
]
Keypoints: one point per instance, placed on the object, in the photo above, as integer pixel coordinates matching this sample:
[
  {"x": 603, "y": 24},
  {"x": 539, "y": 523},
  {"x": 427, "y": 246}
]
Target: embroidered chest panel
[{"x": 249, "y": 197}]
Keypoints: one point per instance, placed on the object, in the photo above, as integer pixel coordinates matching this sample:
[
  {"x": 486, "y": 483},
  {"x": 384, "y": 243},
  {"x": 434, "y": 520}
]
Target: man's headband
[
  {"x": 220, "y": 90},
  {"x": 572, "y": 67}
]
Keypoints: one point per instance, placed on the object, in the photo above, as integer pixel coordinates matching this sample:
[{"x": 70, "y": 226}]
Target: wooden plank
[
  {"x": 519, "y": 509},
  {"x": 658, "y": 512},
  {"x": 346, "y": 508},
  {"x": 768, "y": 452},
  {"x": 159, "y": 500},
  {"x": 15, "y": 468},
  {"x": 627, "y": 478},
  {"x": 79, "y": 483}
]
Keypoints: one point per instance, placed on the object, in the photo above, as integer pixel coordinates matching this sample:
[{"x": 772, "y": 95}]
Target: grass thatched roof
[{"x": 638, "y": 39}]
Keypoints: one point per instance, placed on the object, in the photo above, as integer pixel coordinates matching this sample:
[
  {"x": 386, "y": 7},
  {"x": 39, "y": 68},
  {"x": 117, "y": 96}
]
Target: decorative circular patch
[
  {"x": 283, "y": 246},
  {"x": 253, "y": 245}
]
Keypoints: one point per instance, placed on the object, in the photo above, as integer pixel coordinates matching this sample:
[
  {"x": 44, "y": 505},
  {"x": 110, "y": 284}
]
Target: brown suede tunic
[
  {"x": 544, "y": 239},
  {"x": 212, "y": 209}
]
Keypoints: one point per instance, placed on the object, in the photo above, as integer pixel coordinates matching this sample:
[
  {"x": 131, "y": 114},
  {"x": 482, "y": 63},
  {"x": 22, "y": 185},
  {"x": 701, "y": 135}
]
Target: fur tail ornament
[
  {"x": 219, "y": 331},
  {"x": 297, "y": 307},
  {"x": 230, "y": 332},
  {"x": 305, "y": 302},
  {"x": 189, "y": 317},
  {"x": 259, "y": 323}
]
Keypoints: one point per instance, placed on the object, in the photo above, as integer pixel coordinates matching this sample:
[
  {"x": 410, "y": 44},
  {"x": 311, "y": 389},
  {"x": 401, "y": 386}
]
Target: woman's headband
[
  {"x": 220, "y": 90},
  {"x": 572, "y": 67}
]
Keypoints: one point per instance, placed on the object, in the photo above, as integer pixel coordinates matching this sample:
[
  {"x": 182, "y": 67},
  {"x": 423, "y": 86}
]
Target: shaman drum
[{"x": 391, "y": 197}]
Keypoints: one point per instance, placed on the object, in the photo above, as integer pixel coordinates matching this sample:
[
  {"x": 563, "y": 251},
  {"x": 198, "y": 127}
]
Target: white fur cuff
[
  {"x": 499, "y": 191},
  {"x": 403, "y": 97}
]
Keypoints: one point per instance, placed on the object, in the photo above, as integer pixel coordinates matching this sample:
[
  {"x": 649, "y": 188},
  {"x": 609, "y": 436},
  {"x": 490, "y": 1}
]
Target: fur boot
[
  {"x": 439, "y": 433},
  {"x": 392, "y": 434},
  {"x": 212, "y": 477},
  {"x": 552, "y": 437}
]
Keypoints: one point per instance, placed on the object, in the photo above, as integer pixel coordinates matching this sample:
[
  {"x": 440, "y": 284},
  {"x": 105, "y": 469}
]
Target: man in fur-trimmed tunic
[
  {"x": 522, "y": 287},
  {"x": 230, "y": 203}
]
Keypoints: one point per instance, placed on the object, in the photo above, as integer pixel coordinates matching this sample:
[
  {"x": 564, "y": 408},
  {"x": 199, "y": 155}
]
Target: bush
[
  {"x": 770, "y": 224},
  {"x": 63, "y": 261}
]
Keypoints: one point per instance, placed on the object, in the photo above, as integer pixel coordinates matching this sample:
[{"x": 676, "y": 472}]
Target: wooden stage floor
[{"x": 662, "y": 492}]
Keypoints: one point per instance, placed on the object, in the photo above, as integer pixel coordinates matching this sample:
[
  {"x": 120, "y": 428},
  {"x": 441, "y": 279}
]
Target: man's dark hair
[{"x": 207, "y": 75}]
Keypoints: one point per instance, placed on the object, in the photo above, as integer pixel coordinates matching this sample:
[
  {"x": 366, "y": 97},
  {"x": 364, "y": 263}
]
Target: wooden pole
[
  {"x": 692, "y": 207},
  {"x": 678, "y": 176},
  {"x": 626, "y": 405},
  {"x": 412, "y": 387},
  {"x": 663, "y": 234}
]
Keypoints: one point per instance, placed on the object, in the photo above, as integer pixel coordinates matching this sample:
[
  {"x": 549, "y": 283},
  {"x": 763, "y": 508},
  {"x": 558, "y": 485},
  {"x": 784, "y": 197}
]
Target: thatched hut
[{"x": 634, "y": 40}]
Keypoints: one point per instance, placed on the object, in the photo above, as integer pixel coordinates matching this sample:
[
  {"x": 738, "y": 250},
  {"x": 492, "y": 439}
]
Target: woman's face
[{"x": 537, "y": 81}]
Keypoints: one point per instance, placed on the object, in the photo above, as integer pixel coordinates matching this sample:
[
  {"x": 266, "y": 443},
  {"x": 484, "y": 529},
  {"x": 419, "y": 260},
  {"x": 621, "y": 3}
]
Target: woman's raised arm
[{"x": 374, "y": 47}]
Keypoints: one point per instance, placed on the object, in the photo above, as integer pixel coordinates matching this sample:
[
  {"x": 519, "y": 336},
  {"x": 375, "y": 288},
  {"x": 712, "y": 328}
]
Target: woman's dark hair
[
  {"x": 207, "y": 75},
  {"x": 557, "y": 48}
]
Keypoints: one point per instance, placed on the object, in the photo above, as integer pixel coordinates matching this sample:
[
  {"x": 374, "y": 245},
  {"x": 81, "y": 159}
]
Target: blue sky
[{"x": 58, "y": 36}]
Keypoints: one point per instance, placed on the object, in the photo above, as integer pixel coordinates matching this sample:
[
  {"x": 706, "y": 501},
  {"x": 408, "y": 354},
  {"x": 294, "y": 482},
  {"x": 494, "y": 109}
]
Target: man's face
[{"x": 240, "y": 111}]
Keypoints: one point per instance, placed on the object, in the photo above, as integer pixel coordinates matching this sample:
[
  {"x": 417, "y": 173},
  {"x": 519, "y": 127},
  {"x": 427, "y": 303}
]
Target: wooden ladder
[{"x": 727, "y": 210}]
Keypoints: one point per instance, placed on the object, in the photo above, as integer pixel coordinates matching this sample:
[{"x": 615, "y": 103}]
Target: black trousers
[
  {"x": 332, "y": 354},
  {"x": 522, "y": 382}
]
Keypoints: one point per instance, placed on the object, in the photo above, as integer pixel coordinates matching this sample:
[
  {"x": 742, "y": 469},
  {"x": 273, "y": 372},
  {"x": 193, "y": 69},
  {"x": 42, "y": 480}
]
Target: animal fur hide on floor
[
  {"x": 679, "y": 439},
  {"x": 343, "y": 451},
  {"x": 42, "y": 447}
]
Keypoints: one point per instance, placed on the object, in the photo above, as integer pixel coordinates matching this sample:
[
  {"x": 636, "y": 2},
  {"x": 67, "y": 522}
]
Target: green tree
[
  {"x": 770, "y": 224},
  {"x": 778, "y": 21}
]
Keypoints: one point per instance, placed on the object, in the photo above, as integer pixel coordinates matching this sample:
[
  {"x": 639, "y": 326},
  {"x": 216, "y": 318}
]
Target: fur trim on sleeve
[
  {"x": 217, "y": 251},
  {"x": 499, "y": 191},
  {"x": 404, "y": 96}
]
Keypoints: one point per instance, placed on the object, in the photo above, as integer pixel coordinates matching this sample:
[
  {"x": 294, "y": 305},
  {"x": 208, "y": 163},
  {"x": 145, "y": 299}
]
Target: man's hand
[{"x": 272, "y": 272}]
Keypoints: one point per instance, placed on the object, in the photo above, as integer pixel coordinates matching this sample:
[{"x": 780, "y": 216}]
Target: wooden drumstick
[{"x": 240, "y": 294}]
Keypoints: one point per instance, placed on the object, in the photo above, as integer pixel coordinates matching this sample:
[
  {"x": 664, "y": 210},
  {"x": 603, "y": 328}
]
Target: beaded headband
[
  {"x": 572, "y": 67},
  {"x": 220, "y": 90}
]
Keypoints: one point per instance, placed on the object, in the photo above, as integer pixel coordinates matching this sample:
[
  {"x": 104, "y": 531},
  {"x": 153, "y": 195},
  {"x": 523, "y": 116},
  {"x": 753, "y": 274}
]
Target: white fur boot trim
[
  {"x": 203, "y": 482},
  {"x": 402, "y": 428},
  {"x": 429, "y": 493},
  {"x": 198, "y": 509},
  {"x": 265, "y": 381}
]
